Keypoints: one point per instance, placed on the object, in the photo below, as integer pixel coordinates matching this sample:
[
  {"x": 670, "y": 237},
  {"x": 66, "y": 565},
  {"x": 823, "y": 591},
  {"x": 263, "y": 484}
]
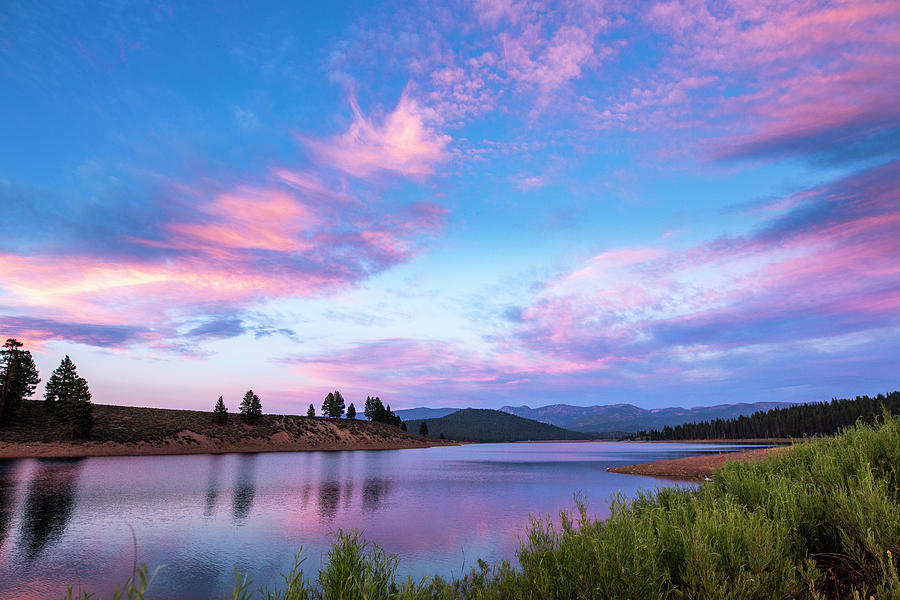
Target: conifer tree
[
  {"x": 251, "y": 407},
  {"x": 351, "y": 411},
  {"x": 423, "y": 428},
  {"x": 338, "y": 405},
  {"x": 370, "y": 408},
  {"x": 220, "y": 413},
  {"x": 69, "y": 393},
  {"x": 311, "y": 411},
  {"x": 18, "y": 378},
  {"x": 328, "y": 405}
]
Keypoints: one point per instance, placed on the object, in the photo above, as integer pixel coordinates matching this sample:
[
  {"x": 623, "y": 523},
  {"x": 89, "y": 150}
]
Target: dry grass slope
[{"x": 121, "y": 430}]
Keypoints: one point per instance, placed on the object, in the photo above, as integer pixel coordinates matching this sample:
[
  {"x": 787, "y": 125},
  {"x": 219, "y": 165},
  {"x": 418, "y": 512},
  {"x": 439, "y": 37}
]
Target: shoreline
[
  {"x": 98, "y": 449},
  {"x": 694, "y": 468}
]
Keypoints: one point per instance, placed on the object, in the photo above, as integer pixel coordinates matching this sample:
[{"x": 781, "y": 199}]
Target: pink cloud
[
  {"x": 288, "y": 238},
  {"x": 825, "y": 268},
  {"x": 811, "y": 75},
  {"x": 404, "y": 142}
]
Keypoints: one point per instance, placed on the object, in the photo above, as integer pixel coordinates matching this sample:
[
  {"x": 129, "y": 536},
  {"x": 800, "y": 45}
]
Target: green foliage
[
  {"x": 220, "y": 413},
  {"x": 378, "y": 412},
  {"x": 333, "y": 406},
  {"x": 311, "y": 411},
  {"x": 423, "y": 428},
  {"x": 133, "y": 589},
  {"x": 482, "y": 425},
  {"x": 251, "y": 407},
  {"x": 69, "y": 395},
  {"x": 18, "y": 378},
  {"x": 351, "y": 411},
  {"x": 803, "y": 420}
]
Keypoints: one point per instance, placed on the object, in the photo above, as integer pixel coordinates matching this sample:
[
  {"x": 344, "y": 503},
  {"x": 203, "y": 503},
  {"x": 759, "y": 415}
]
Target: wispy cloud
[
  {"x": 405, "y": 141},
  {"x": 221, "y": 251}
]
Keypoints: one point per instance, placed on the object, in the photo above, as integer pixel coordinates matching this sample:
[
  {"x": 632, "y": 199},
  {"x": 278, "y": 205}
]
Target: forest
[{"x": 801, "y": 420}]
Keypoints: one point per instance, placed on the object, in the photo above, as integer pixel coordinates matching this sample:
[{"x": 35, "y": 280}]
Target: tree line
[
  {"x": 802, "y": 420},
  {"x": 67, "y": 396},
  {"x": 333, "y": 406}
]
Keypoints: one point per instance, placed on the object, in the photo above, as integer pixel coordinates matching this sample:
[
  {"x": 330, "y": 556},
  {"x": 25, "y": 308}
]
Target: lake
[{"x": 438, "y": 509}]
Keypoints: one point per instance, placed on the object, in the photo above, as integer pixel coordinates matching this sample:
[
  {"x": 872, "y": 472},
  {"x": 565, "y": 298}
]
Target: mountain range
[
  {"x": 610, "y": 420},
  {"x": 629, "y": 418}
]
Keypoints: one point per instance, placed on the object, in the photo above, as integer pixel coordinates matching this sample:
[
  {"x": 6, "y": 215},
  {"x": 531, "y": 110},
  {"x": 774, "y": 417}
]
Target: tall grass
[{"x": 821, "y": 520}]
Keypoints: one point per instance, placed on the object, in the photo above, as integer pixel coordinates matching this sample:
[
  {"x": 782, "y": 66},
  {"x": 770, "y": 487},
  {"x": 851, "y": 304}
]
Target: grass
[
  {"x": 130, "y": 425},
  {"x": 819, "y": 521}
]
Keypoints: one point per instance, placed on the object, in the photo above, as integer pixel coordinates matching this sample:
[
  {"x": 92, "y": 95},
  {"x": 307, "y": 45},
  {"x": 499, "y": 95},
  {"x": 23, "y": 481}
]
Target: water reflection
[
  {"x": 244, "y": 487},
  {"x": 212, "y": 484},
  {"x": 49, "y": 505},
  {"x": 7, "y": 498},
  {"x": 430, "y": 507},
  {"x": 329, "y": 497},
  {"x": 375, "y": 492}
]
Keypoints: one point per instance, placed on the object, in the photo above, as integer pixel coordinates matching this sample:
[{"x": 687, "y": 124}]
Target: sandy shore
[{"x": 694, "y": 468}]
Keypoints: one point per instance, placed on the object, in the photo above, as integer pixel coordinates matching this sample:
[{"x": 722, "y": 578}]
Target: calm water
[{"x": 67, "y": 521}]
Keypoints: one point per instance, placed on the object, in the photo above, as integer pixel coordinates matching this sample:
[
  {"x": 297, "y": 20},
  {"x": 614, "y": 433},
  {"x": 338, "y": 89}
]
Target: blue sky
[{"x": 667, "y": 203}]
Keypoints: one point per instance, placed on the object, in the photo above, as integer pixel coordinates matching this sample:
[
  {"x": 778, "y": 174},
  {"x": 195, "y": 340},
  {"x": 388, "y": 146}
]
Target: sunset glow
[{"x": 472, "y": 204}]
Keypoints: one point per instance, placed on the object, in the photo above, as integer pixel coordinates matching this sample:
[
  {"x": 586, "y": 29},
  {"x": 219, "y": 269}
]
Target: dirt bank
[
  {"x": 133, "y": 431},
  {"x": 694, "y": 468}
]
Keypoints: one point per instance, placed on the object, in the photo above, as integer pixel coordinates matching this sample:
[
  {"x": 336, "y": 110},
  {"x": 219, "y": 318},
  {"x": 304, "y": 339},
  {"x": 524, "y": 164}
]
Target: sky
[{"x": 676, "y": 203}]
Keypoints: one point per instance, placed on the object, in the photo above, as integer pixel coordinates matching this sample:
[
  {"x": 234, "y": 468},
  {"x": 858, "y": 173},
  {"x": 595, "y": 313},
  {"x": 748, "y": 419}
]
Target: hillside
[
  {"x": 125, "y": 430},
  {"x": 630, "y": 418},
  {"x": 484, "y": 425},
  {"x": 802, "y": 420},
  {"x": 422, "y": 412}
]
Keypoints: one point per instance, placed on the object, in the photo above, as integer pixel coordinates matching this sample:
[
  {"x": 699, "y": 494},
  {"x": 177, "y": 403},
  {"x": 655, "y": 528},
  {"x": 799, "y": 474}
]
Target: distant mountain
[
  {"x": 630, "y": 418},
  {"x": 484, "y": 425},
  {"x": 421, "y": 412}
]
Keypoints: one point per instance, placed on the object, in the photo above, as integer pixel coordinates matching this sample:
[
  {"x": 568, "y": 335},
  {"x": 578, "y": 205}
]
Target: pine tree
[
  {"x": 378, "y": 412},
  {"x": 18, "y": 378},
  {"x": 69, "y": 393},
  {"x": 63, "y": 378},
  {"x": 220, "y": 413},
  {"x": 251, "y": 407},
  {"x": 328, "y": 405},
  {"x": 311, "y": 411},
  {"x": 338, "y": 405},
  {"x": 423, "y": 428},
  {"x": 351, "y": 411},
  {"x": 78, "y": 410},
  {"x": 370, "y": 408}
]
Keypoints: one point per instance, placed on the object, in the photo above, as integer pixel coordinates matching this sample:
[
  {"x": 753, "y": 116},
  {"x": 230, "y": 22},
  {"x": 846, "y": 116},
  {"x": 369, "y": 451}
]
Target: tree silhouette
[
  {"x": 220, "y": 413},
  {"x": 251, "y": 407},
  {"x": 338, "y": 405},
  {"x": 333, "y": 405},
  {"x": 18, "y": 378},
  {"x": 311, "y": 411},
  {"x": 70, "y": 394},
  {"x": 351, "y": 411}
]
